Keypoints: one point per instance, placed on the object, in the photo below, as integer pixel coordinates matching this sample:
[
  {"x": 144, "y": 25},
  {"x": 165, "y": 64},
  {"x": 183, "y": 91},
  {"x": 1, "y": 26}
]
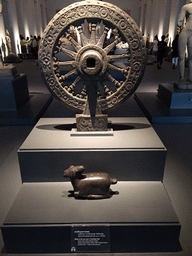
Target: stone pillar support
[
  {"x": 174, "y": 13},
  {"x": 155, "y": 15},
  {"x": 2, "y": 35},
  {"x": 148, "y": 22}
]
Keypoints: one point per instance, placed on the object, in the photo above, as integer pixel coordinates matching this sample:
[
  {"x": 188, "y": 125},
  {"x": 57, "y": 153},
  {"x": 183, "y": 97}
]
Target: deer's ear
[{"x": 80, "y": 168}]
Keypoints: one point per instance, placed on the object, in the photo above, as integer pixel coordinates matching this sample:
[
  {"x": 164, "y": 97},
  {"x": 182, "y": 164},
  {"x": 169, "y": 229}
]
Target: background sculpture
[
  {"x": 3, "y": 48},
  {"x": 8, "y": 42},
  {"x": 185, "y": 39},
  {"x": 1, "y": 60},
  {"x": 1, "y": 7}
]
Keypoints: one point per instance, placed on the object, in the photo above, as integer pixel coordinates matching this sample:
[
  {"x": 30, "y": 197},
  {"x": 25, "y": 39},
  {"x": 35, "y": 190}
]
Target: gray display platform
[
  {"x": 29, "y": 113},
  {"x": 17, "y": 106},
  {"x": 158, "y": 112},
  {"x": 12, "y": 58},
  {"x": 174, "y": 98},
  {"x": 131, "y": 152},
  {"x": 139, "y": 217},
  {"x": 13, "y": 92}
]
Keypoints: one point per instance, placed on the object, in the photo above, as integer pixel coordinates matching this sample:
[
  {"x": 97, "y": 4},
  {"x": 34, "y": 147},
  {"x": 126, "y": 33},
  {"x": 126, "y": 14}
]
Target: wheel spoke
[
  {"x": 113, "y": 80},
  {"x": 75, "y": 44},
  {"x": 93, "y": 34},
  {"x": 119, "y": 69},
  {"x": 107, "y": 91},
  {"x": 102, "y": 38},
  {"x": 68, "y": 63},
  {"x": 111, "y": 58},
  {"x": 83, "y": 94},
  {"x": 67, "y": 75},
  {"x": 68, "y": 52},
  {"x": 83, "y": 38},
  {"x": 71, "y": 88},
  {"x": 112, "y": 45}
]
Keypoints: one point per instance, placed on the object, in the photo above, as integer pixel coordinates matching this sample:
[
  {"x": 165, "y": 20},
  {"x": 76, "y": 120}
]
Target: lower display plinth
[{"x": 138, "y": 218}]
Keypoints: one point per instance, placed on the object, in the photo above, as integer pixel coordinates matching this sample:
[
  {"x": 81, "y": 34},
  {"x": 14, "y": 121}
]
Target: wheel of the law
[{"x": 75, "y": 54}]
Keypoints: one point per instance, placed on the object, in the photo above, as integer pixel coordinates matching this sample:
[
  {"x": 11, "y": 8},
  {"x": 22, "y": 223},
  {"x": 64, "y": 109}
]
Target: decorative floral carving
[
  {"x": 62, "y": 20},
  {"x": 86, "y": 124},
  {"x": 104, "y": 12},
  {"x": 123, "y": 24},
  {"x": 81, "y": 11}
]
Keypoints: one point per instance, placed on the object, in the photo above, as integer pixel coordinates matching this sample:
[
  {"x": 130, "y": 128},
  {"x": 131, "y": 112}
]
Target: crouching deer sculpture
[{"x": 95, "y": 185}]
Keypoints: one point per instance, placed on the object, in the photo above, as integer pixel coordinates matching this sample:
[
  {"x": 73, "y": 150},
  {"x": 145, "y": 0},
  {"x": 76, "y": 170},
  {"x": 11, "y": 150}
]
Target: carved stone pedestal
[{"x": 87, "y": 123}]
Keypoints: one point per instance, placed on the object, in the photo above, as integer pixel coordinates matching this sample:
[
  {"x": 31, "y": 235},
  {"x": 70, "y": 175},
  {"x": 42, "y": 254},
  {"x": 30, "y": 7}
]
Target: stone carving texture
[{"x": 51, "y": 45}]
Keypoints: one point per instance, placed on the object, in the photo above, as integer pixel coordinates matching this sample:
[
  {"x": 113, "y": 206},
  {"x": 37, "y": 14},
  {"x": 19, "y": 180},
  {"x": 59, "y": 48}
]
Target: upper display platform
[{"x": 128, "y": 133}]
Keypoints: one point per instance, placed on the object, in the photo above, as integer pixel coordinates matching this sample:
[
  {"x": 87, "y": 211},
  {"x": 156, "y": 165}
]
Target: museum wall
[
  {"x": 30, "y": 17},
  {"x": 159, "y": 17},
  {"x": 130, "y": 5},
  {"x": 10, "y": 22},
  {"x": 26, "y": 17}
]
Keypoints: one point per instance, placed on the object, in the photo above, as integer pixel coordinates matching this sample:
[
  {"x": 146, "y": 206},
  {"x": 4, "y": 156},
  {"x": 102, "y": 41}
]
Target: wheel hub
[{"x": 91, "y": 63}]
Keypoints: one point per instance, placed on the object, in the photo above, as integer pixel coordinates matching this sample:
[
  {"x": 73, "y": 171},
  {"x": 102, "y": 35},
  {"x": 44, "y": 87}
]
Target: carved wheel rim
[{"x": 91, "y": 60}]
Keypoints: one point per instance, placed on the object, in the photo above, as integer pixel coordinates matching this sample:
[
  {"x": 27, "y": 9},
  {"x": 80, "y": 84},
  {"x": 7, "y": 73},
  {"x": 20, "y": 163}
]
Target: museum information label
[{"x": 88, "y": 238}]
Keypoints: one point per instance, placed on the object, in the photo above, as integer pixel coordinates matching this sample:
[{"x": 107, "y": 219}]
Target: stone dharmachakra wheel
[{"x": 68, "y": 69}]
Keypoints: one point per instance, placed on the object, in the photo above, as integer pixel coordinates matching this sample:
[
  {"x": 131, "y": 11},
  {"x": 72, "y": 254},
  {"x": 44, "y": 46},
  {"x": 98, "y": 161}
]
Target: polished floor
[{"x": 177, "y": 138}]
